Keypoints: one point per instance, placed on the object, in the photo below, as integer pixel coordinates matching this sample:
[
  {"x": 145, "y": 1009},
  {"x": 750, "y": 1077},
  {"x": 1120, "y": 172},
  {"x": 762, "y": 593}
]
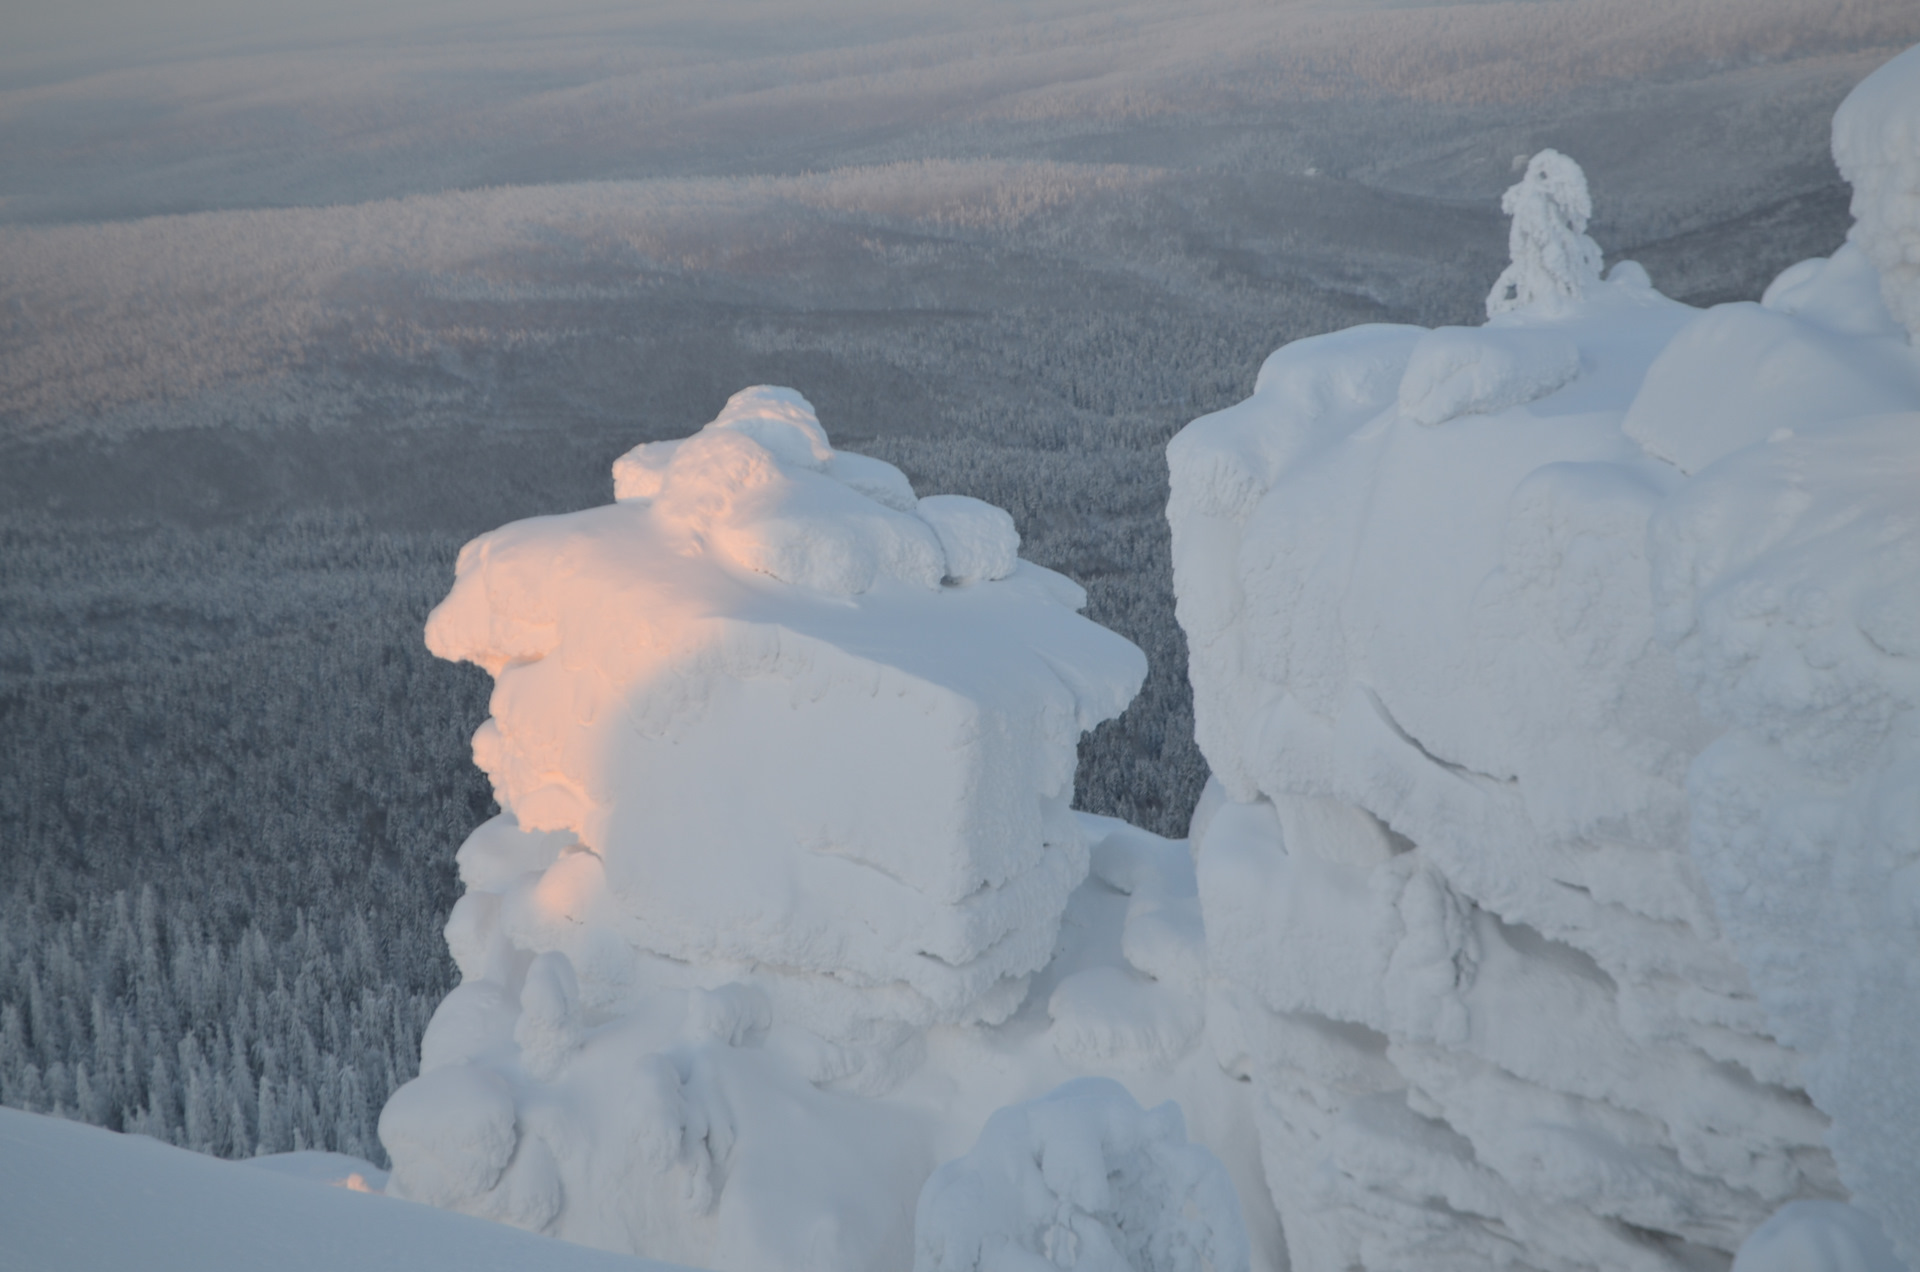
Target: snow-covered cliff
[{"x": 1559, "y": 682}]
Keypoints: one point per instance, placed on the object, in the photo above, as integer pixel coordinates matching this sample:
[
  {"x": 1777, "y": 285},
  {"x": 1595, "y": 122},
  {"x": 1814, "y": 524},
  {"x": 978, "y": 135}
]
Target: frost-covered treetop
[
  {"x": 1876, "y": 143},
  {"x": 1554, "y": 262}
]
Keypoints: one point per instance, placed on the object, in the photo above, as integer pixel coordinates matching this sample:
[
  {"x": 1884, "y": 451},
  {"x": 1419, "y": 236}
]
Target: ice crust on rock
[
  {"x": 785, "y": 879},
  {"x": 1084, "y": 1180},
  {"x": 1564, "y": 757}
]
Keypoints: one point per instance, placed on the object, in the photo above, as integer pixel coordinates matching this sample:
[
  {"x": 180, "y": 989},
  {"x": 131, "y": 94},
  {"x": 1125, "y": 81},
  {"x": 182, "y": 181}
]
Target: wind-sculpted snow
[
  {"x": 1818, "y": 1236},
  {"x": 1084, "y": 1180},
  {"x": 1558, "y": 681},
  {"x": 1787, "y": 579},
  {"x": 745, "y": 614},
  {"x": 1876, "y": 143},
  {"x": 79, "y": 1197},
  {"x": 784, "y": 757}
]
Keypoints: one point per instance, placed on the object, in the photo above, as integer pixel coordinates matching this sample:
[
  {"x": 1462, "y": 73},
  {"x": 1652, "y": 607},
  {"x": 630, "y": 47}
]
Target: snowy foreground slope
[
  {"x": 75, "y": 1198},
  {"x": 1559, "y": 682},
  {"x": 787, "y": 907}
]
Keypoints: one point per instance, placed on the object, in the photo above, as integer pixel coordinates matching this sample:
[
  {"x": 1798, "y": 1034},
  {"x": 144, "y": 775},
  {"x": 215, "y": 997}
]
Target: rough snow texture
[
  {"x": 1787, "y": 578},
  {"x": 1818, "y": 1236},
  {"x": 1081, "y": 1180},
  {"x": 784, "y": 757},
  {"x": 1563, "y": 744},
  {"x": 1876, "y": 143}
]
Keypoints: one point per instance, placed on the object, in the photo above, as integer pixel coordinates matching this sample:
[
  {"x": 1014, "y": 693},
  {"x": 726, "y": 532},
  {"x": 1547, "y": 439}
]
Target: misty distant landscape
[{"x": 287, "y": 315}]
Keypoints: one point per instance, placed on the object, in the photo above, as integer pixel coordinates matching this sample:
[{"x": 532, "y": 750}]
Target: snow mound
[
  {"x": 1081, "y": 1179},
  {"x": 1740, "y": 373},
  {"x": 1563, "y": 760},
  {"x": 979, "y": 539},
  {"x": 1817, "y": 1236},
  {"x": 784, "y": 756},
  {"x": 76, "y": 1197},
  {"x": 757, "y": 488},
  {"x": 1457, "y": 371}
]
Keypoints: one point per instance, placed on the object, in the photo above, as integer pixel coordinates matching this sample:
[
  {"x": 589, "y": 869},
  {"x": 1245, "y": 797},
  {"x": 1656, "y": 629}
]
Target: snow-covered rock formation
[
  {"x": 771, "y": 717},
  {"x": 1559, "y": 681},
  {"x": 784, "y": 756}
]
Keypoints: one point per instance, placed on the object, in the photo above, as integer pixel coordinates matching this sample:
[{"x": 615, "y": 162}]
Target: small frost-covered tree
[{"x": 1554, "y": 262}]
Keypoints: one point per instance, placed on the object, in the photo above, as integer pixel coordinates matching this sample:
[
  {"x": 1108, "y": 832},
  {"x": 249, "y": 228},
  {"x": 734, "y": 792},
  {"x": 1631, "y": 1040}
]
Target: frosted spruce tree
[{"x": 1554, "y": 262}]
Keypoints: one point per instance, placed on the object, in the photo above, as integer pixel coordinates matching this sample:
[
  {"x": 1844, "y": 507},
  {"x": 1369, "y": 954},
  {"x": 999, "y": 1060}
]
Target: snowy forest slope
[{"x": 286, "y": 315}]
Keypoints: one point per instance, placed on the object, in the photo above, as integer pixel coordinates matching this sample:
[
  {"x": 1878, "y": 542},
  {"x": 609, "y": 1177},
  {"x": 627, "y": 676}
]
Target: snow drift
[
  {"x": 1558, "y": 678},
  {"x": 784, "y": 756},
  {"x": 75, "y": 1197}
]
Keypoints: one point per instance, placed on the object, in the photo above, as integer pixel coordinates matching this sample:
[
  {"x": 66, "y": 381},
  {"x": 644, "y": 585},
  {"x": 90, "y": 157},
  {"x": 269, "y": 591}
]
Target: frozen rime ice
[
  {"x": 1876, "y": 143},
  {"x": 1561, "y": 836},
  {"x": 1554, "y": 264},
  {"x": 1081, "y": 1180},
  {"x": 785, "y": 896}
]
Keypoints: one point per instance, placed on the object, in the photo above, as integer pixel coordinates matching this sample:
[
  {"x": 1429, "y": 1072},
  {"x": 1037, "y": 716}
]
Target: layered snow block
[
  {"x": 763, "y": 717},
  {"x": 1082, "y": 1180},
  {"x": 784, "y": 757},
  {"x": 1563, "y": 742},
  {"x": 1787, "y": 579}
]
